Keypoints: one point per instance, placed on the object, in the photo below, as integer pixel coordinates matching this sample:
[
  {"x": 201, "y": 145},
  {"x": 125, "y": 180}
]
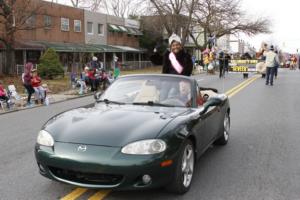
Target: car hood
[{"x": 110, "y": 125}]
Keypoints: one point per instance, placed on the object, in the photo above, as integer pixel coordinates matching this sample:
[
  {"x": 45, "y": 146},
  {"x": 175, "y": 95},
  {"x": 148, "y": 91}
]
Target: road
[{"x": 261, "y": 160}]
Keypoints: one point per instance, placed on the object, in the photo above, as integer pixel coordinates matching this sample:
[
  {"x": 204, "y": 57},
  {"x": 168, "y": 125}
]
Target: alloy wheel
[
  {"x": 226, "y": 127},
  {"x": 187, "y": 166}
]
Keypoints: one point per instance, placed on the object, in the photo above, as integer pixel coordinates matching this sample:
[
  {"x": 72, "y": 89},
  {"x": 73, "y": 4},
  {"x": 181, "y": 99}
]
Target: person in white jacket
[{"x": 271, "y": 60}]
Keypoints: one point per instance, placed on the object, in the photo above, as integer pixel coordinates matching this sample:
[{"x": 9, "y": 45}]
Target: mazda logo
[{"x": 81, "y": 148}]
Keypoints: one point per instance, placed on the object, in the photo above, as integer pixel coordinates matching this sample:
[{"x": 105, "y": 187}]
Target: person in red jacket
[
  {"x": 92, "y": 79},
  {"x": 3, "y": 95},
  {"x": 36, "y": 83},
  {"x": 26, "y": 79}
]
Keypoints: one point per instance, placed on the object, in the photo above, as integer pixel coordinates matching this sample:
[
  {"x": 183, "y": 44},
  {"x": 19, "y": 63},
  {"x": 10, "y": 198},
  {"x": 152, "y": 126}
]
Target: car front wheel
[{"x": 184, "y": 169}]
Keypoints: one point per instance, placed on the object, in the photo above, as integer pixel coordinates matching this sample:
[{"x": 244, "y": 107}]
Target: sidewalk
[{"x": 53, "y": 98}]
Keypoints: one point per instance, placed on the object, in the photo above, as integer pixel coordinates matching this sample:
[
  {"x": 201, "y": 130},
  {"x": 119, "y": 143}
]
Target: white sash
[{"x": 175, "y": 64}]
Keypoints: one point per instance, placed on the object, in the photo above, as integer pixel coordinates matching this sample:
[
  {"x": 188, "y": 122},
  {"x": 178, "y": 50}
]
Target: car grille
[{"x": 86, "y": 178}]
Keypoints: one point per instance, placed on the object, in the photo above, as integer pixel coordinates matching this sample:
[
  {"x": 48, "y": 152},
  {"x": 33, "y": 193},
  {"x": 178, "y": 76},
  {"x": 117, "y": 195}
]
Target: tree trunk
[{"x": 9, "y": 67}]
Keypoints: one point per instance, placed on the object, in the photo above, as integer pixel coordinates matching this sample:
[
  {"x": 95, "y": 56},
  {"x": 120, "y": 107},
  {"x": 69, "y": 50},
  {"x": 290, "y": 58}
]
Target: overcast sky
[{"x": 285, "y": 24}]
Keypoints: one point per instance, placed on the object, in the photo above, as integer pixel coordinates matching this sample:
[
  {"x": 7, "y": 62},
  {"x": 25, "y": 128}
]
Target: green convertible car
[{"x": 144, "y": 131}]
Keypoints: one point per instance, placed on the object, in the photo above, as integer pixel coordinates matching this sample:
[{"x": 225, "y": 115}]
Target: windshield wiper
[
  {"x": 151, "y": 103},
  {"x": 109, "y": 101}
]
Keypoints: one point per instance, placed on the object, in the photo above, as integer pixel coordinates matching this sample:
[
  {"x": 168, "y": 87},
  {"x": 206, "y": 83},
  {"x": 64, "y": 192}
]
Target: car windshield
[{"x": 147, "y": 90}]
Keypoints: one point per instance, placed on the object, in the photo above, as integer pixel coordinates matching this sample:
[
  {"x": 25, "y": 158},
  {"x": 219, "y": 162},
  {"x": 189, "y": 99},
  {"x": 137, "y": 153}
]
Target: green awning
[
  {"x": 130, "y": 49},
  {"x": 134, "y": 31},
  {"x": 131, "y": 31},
  {"x": 114, "y": 28},
  {"x": 71, "y": 47},
  {"x": 122, "y": 28},
  {"x": 87, "y": 48},
  {"x": 107, "y": 48}
]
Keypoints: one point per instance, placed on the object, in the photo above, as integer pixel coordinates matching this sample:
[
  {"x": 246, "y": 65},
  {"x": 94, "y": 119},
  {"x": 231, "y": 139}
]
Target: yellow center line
[
  {"x": 242, "y": 87},
  {"x": 74, "y": 194},
  {"x": 236, "y": 87},
  {"x": 100, "y": 195}
]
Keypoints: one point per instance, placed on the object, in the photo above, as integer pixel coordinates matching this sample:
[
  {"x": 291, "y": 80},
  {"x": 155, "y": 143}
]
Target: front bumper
[{"x": 103, "y": 167}]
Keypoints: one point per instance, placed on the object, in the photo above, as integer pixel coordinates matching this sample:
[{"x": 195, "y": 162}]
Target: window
[
  {"x": 90, "y": 28},
  {"x": 100, "y": 29},
  {"x": 30, "y": 22},
  {"x": 47, "y": 21},
  {"x": 77, "y": 26},
  {"x": 65, "y": 25}
]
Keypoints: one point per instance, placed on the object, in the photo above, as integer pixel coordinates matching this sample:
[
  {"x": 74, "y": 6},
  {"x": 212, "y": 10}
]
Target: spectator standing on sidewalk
[
  {"x": 26, "y": 79},
  {"x": 117, "y": 68},
  {"x": 271, "y": 59},
  {"x": 177, "y": 60},
  {"x": 94, "y": 63},
  {"x": 92, "y": 79},
  {"x": 36, "y": 83}
]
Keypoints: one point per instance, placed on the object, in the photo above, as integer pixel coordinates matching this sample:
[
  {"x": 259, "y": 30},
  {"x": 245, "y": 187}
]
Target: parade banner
[{"x": 243, "y": 66}]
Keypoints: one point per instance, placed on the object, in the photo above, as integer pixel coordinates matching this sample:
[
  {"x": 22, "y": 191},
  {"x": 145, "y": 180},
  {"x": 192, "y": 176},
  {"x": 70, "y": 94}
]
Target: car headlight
[
  {"x": 44, "y": 138},
  {"x": 145, "y": 147}
]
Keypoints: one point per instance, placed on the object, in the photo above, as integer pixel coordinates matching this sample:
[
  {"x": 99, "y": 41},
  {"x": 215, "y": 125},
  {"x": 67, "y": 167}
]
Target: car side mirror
[
  {"x": 97, "y": 95},
  {"x": 213, "y": 101}
]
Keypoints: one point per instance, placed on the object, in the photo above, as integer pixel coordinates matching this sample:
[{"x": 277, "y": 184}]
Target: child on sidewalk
[
  {"x": 36, "y": 84},
  {"x": 3, "y": 95}
]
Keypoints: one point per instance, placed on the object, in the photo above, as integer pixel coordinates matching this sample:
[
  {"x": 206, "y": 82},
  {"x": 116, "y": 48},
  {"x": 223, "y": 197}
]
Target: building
[
  {"x": 77, "y": 35},
  {"x": 116, "y": 36}
]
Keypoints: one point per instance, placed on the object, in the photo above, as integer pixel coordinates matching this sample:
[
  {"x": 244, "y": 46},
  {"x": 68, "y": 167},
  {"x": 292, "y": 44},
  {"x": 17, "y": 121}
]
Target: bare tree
[
  {"x": 92, "y": 5},
  {"x": 75, "y": 3},
  {"x": 123, "y": 8},
  {"x": 119, "y": 8},
  {"x": 175, "y": 15},
  {"x": 225, "y": 17},
  {"x": 15, "y": 16}
]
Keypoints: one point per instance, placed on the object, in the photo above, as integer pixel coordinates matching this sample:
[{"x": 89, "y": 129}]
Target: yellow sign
[
  {"x": 241, "y": 62},
  {"x": 239, "y": 69}
]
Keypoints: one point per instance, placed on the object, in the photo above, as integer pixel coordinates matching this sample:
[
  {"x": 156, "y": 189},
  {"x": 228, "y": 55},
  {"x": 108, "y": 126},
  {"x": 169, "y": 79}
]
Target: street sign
[{"x": 243, "y": 66}]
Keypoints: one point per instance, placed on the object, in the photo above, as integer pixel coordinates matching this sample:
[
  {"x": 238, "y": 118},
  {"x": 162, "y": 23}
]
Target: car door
[
  {"x": 212, "y": 117},
  {"x": 200, "y": 128}
]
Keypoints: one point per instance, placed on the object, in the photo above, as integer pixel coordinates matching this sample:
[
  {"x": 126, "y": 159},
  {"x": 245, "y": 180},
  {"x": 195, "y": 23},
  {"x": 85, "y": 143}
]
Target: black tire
[
  {"x": 225, "y": 131},
  {"x": 178, "y": 184}
]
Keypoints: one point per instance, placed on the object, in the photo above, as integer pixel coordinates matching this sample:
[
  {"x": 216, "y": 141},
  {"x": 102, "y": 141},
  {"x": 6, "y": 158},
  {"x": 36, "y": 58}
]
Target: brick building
[
  {"x": 77, "y": 35},
  {"x": 116, "y": 36}
]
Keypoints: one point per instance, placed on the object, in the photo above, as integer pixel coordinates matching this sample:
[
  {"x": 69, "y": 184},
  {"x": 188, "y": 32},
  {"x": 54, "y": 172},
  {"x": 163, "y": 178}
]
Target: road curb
[{"x": 22, "y": 109}]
